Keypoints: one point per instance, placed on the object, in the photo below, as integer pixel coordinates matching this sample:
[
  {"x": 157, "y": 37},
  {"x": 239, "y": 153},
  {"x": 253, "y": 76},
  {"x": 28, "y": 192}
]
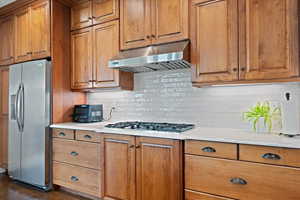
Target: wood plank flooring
[{"x": 10, "y": 190}]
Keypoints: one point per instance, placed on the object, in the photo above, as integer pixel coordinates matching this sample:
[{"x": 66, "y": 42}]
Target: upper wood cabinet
[
  {"x": 145, "y": 22},
  {"x": 81, "y": 15},
  {"x": 82, "y": 64},
  {"x": 7, "y": 40},
  {"x": 22, "y": 35},
  {"x": 40, "y": 32},
  {"x": 90, "y": 12},
  {"x": 92, "y": 48},
  {"x": 269, "y": 39},
  {"x": 214, "y": 33},
  {"x": 105, "y": 10},
  {"x": 32, "y": 32},
  {"x": 244, "y": 40}
]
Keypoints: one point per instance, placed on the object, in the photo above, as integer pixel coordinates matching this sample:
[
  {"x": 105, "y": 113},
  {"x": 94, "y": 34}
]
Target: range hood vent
[{"x": 170, "y": 56}]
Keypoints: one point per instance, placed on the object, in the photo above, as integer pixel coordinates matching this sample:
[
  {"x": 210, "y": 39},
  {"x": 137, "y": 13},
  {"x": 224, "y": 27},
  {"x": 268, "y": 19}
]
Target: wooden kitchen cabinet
[
  {"x": 145, "y": 22},
  {"x": 118, "y": 154},
  {"x": 81, "y": 14},
  {"x": 40, "y": 31},
  {"x": 81, "y": 59},
  {"x": 7, "y": 28},
  {"x": 105, "y": 10},
  {"x": 155, "y": 162},
  {"x": 269, "y": 39},
  {"x": 249, "y": 40},
  {"x": 92, "y": 48},
  {"x": 22, "y": 35},
  {"x": 214, "y": 45},
  {"x": 191, "y": 195},
  {"x": 158, "y": 169},
  {"x": 4, "y": 95}
]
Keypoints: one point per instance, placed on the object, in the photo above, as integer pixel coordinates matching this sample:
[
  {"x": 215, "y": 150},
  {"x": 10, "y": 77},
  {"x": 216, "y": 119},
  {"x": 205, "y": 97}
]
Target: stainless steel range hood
[{"x": 153, "y": 58}]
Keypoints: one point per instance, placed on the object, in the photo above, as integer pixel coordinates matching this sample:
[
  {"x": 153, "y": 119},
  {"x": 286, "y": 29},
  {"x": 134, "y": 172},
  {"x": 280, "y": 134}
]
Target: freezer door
[
  {"x": 35, "y": 122},
  {"x": 14, "y": 137}
]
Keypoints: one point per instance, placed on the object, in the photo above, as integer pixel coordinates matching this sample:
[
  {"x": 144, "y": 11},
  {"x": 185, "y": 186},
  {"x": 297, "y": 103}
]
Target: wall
[{"x": 169, "y": 97}]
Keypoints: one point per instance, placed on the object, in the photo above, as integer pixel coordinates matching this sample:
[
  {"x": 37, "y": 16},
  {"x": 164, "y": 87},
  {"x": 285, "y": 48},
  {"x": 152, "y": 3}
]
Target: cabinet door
[
  {"x": 158, "y": 169},
  {"x": 191, "y": 195},
  {"x": 81, "y": 50},
  {"x": 269, "y": 39},
  {"x": 135, "y": 23},
  {"x": 7, "y": 40},
  {"x": 40, "y": 32},
  {"x": 81, "y": 15},
  {"x": 169, "y": 20},
  {"x": 4, "y": 85},
  {"x": 118, "y": 167},
  {"x": 214, "y": 35},
  {"x": 105, "y": 10},
  {"x": 106, "y": 45},
  {"x": 22, "y": 35}
]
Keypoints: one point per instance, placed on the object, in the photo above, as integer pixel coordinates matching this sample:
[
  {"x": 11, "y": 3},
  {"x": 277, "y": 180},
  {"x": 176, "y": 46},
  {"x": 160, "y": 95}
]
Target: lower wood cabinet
[
  {"x": 141, "y": 168},
  {"x": 241, "y": 180}
]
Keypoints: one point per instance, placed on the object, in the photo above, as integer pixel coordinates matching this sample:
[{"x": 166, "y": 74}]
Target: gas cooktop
[{"x": 166, "y": 127}]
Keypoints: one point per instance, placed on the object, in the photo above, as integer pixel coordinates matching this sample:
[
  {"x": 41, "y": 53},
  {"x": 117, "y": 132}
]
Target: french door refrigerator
[{"x": 29, "y": 121}]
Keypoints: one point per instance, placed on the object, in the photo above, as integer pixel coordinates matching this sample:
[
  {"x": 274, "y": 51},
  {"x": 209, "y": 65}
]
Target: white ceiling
[{"x": 5, "y": 2}]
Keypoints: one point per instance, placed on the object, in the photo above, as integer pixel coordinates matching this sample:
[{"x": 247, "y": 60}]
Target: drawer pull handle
[
  {"x": 209, "y": 150},
  {"x": 271, "y": 156},
  {"x": 74, "y": 153},
  {"x": 238, "y": 181},
  {"x": 88, "y": 137},
  {"x": 74, "y": 179},
  {"x": 62, "y": 134}
]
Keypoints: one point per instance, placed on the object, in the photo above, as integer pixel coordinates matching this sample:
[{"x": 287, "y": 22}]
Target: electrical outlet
[{"x": 287, "y": 96}]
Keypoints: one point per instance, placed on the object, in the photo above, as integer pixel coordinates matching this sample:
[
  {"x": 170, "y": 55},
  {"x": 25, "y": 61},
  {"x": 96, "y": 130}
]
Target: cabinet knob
[
  {"x": 137, "y": 146},
  {"x": 271, "y": 156},
  {"x": 62, "y": 134},
  {"x": 74, "y": 153},
  {"x": 148, "y": 37},
  {"x": 209, "y": 150},
  {"x": 74, "y": 178},
  {"x": 90, "y": 18},
  {"x": 153, "y": 36},
  {"x": 238, "y": 181},
  {"x": 234, "y": 69},
  {"x": 28, "y": 53},
  {"x": 243, "y": 69},
  {"x": 131, "y": 146},
  {"x": 88, "y": 137}
]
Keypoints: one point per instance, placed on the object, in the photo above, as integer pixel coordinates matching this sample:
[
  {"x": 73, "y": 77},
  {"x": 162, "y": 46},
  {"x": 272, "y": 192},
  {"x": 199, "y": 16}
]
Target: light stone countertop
[{"x": 199, "y": 133}]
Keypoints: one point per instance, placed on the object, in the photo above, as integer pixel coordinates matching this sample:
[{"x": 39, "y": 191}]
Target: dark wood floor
[{"x": 10, "y": 190}]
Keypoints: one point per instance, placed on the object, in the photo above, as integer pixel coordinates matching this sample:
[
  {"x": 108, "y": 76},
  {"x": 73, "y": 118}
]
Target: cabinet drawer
[
  {"x": 63, "y": 133},
  {"x": 241, "y": 180},
  {"x": 84, "y": 154},
  {"x": 270, "y": 155},
  {"x": 213, "y": 149},
  {"x": 77, "y": 178},
  {"x": 192, "y": 195},
  {"x": 88, "y": 136}
]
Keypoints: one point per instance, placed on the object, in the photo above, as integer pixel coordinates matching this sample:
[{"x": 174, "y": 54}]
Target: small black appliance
[{"x": 88, "y": 113}]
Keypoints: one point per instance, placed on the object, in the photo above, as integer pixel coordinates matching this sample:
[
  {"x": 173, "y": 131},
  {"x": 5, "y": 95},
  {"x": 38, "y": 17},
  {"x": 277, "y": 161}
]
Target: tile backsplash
[{"x": 169, "y": 97}]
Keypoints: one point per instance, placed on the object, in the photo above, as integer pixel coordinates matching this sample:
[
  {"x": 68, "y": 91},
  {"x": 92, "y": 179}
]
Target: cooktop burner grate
[{"x": 166, "y": 127}]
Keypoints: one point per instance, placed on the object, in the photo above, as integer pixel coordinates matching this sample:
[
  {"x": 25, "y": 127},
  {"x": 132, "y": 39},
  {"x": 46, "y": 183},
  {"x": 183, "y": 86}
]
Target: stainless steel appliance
[
  {"x": 29, "y": 121},
  {"x": 88, "y": 113},
  {"x": 169, "y": 56},
  {"x": 165, "y": 127}
]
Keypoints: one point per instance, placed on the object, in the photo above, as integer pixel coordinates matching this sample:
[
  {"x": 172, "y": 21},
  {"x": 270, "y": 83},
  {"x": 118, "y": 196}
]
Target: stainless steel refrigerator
[{"x": 29, "y": 121}]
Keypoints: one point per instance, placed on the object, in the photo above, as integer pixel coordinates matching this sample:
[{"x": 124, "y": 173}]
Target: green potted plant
[{"x": 261, "y": 114}]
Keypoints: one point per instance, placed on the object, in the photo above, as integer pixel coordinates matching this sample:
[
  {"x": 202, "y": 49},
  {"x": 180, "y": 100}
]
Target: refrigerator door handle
[
  {"x": 17, "y": 108},
  {"x": 22, "y": 107}
]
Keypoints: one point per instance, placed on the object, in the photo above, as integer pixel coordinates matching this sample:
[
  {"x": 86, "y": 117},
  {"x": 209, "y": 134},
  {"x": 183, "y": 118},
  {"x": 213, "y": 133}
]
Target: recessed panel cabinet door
[
  {"x": 81, "y": 50},
  {"x": 7, "y": 40},
  {"x": 40, "y": 32},
  {"x": 214, "y": 35},
  {"x": 81, "y": 15},
  {"x": 159, "y": 169},
  {"x": 169, "y": 20},
  {"x": 105, "y": 10},
  {"x": 135, "y": 23},
  {"x": 106, "y": 45},
  {"x": 22, "y": 35},
  {"x": 118, "y": 156},
  {"x": 269, "y": 39}
]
